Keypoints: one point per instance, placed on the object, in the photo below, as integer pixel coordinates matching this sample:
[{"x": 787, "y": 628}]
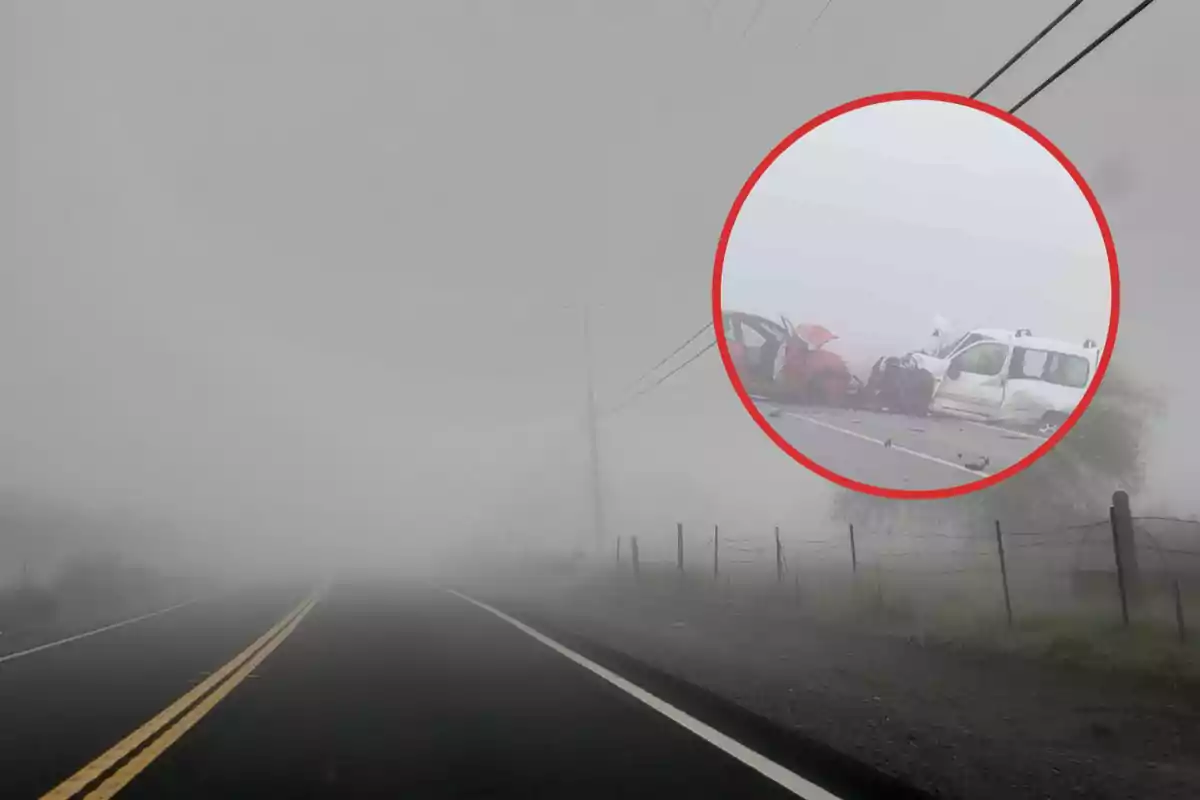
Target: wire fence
[{"x": 1124, "y": 569}]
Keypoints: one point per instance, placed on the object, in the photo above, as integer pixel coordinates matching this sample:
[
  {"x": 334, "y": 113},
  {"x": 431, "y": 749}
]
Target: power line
[
  {"x": 660, "y": 381},
  {"x": 816, "y": 20},
  {"x": 670, "y": 355},
  {"x": 1020, "y": 53},
  {"x": 632, "y": 385},
  {"x": 1139, "y": 8},
  {"x": 1016, "y": 57}
]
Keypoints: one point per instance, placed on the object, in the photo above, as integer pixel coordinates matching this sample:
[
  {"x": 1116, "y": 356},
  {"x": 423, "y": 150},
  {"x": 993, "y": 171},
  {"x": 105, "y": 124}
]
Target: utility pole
[
  {"x": 716, "y": 557},
  {"x": 778, "y": 557},
  {"x": 679, "y": 546},
  {"x": 598, "y": 533}
]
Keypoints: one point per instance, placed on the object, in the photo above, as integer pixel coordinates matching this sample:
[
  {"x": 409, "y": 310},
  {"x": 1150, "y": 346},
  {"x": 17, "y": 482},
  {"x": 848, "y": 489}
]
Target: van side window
[
  {"x": 1027, "y": 363},
  {"x": 1042, "y": 365},
  {"x": 1066, "y": 370},
  {"x": 986, "y": 358}
]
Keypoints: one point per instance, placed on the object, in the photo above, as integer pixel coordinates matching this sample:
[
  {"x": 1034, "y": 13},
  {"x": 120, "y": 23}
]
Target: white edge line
[
  {"x": 761, "y": 764},
  {"x": 1003, "y": 431},
  {"x": 901, "y": 448},
  {"x": 85, "y": 634}
]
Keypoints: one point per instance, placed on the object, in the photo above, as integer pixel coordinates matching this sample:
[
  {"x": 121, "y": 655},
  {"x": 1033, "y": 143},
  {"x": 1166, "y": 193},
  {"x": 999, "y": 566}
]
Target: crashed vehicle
[
  {"x": 782, "y": 361},
  {"x": 1010, "y": 378},
  {"x": 898, "y": 384}
]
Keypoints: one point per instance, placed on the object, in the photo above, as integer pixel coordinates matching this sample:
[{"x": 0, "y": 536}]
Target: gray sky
[
  {"x": 305, "y": 278},
  {"x": 880, "y": 219}
]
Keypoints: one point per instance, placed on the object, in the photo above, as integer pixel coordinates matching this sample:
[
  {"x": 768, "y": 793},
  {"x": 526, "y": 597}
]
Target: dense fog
[{"x": 303, "y": 284}]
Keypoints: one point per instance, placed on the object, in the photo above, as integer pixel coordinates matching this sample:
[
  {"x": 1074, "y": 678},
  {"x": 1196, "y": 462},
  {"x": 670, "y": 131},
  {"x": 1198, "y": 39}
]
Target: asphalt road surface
[
  {"x": 359, "y": 691},
  {"x": 895, "y": 451}
]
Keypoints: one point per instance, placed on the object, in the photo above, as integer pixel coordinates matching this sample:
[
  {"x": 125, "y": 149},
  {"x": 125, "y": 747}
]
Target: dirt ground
[{"x": 955, "y": 723}]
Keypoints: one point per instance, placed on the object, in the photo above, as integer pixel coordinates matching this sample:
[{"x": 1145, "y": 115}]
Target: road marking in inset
[
  {"x": 907, "y": 451},
  {"x": 761, "y": 764},
  {"x": 1003, "y": 431},
  {"x": 86, "y": 634},
  {"x": 217, "y": 681}
]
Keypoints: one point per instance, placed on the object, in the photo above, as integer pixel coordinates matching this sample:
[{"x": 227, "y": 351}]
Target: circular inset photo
[{"x": 916, "y": 294}]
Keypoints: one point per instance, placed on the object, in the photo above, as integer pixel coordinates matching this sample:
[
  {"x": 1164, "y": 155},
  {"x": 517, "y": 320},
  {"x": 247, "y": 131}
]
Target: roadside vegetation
[
  {"x": 82, "y": 587},
  {"x": 1074, "y": 482}
]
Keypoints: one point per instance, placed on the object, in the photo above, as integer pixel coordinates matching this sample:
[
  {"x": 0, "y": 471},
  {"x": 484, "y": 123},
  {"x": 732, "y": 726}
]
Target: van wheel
[{"x": 1050, "y": 422}]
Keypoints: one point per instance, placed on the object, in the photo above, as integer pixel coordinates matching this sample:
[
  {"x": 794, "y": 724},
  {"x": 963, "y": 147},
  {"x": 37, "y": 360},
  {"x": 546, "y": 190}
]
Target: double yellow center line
[{"x": 137, "y": 750}]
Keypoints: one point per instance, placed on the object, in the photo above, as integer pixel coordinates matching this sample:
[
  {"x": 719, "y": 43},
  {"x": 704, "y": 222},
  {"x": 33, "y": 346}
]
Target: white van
[{"x": 1011, "y": 378}]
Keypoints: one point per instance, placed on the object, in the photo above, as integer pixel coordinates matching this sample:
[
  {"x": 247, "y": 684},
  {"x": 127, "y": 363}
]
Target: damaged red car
[{"x": 785, "y": 362}]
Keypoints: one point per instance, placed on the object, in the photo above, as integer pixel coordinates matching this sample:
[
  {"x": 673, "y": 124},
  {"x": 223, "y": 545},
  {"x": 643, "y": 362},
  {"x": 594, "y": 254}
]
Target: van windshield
[
  {"x": 1062, "y": 369},
  {"x": 961, "y": 343}
]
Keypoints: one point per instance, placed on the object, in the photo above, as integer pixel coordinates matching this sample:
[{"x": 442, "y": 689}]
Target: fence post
[
  {"x": 716, "y": 561},
  {"x": 1121, "y": 522},
  {"x": 1004, "y": 575},
  {"x": 633, "y": 553},
  {"x": 679, "y": 546},
  {"x": 1179, "y": 624},
  {"x": 1123, "y": 541},
  {"x": 853, "y": 552},
  {"x": 778, "y": 557}
]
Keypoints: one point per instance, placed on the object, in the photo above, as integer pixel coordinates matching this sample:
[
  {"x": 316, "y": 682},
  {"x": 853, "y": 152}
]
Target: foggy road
[
  {"x": 437, "y": 291},
  {"x": 925, "y": 453},
  {"x": 361, "y": 691},
  {"x": 64, "y": 705}
]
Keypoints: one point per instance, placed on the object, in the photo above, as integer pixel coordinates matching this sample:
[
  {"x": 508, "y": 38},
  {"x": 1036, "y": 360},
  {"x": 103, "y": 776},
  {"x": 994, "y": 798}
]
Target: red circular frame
[{"x": 916, "y": 494}]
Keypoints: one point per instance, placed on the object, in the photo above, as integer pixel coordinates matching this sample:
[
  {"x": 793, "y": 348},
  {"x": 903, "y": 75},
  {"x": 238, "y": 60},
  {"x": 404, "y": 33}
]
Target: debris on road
[{"x": 978, "y": 464}]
